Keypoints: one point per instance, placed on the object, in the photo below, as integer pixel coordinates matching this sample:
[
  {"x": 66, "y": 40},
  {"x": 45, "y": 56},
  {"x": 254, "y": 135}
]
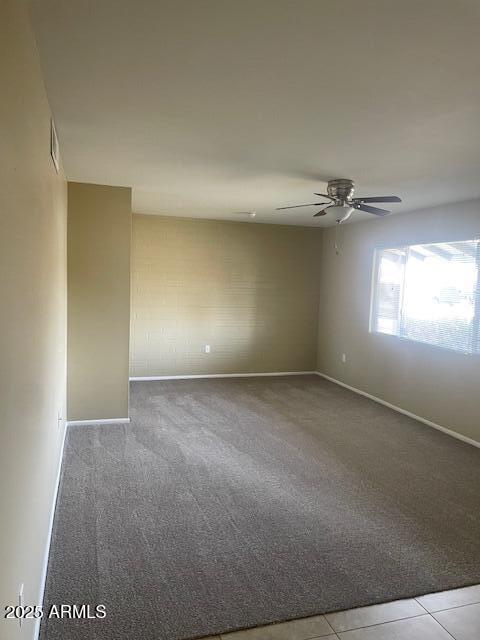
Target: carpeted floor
[{"x": 229, "y": 503}]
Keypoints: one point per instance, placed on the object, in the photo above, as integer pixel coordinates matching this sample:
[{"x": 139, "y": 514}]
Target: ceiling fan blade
[
  {"x": 323, "y": 212},
  {"x": 375, "y": 210},
  {"x": 324, "y": 195},
  {"x": 310, "y": 204},
  {"x": 378, "y": 199}
]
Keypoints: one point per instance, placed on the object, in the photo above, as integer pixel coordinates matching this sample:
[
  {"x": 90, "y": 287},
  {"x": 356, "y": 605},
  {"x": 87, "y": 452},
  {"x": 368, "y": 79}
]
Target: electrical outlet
[
  {"x": 344, "y": 357},
  {"x": 207, "y": 348}
]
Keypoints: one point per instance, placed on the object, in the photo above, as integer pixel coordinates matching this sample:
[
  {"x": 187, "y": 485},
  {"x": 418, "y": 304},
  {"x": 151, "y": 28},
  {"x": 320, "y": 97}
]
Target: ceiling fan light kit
[
  {"x": 342, "y": 203},
  {"x": 342, "y": 212}
]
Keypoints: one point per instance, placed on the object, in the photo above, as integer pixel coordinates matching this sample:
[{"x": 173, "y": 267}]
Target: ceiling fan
[{"x": 343, "y": 204}]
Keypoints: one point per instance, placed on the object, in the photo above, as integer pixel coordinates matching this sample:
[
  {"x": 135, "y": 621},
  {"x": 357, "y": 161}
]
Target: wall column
[{"x": 99, "y": 238}]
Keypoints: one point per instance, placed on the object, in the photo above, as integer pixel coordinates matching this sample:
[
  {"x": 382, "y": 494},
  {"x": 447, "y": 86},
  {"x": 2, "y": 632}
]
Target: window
[{"x": 429, "y": 293}]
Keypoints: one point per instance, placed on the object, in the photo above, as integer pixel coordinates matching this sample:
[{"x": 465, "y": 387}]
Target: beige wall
[
  {"x": 248, "y": 290},
  {"x": 99, "y": 237},
  {"x": 437, "y": 384},
  {"x": 33, "y": 316}
]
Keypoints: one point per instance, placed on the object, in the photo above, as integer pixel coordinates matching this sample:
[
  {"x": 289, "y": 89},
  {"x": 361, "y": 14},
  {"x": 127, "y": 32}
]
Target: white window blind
[{"x": 429, "y": 293}]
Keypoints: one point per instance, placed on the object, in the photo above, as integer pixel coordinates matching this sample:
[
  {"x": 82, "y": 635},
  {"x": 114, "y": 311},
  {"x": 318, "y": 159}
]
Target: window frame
[{"x": 475, "y": 350}]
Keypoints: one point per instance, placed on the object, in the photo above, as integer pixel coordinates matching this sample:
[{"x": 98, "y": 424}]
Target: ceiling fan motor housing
[{"x": 341, "y": 189}]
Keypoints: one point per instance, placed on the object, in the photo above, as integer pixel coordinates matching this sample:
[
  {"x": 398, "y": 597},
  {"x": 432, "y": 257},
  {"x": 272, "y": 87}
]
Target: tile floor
[{"x": 437, "y": 616}]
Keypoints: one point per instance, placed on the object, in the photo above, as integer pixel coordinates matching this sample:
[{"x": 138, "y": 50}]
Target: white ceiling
[{"x": 208, "y": 107}]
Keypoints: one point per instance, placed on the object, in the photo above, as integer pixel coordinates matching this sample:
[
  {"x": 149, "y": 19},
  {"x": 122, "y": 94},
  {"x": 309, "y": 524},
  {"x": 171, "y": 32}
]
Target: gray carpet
[{"x": 231, "y": 503}]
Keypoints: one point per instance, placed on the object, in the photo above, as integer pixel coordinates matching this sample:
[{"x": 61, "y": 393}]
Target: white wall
[
  {"x": 33, "y": 315},
  {"x": 438, "y": 384}
]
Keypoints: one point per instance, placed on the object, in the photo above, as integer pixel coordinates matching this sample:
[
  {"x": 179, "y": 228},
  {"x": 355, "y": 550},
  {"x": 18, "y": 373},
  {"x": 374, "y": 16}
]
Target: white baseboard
[
  {"x": 72, "y": 423},
  {"x": 223, "y": 375},
  {"x": 429, "y": 423},
  {"x": 43, "y": 577}
]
